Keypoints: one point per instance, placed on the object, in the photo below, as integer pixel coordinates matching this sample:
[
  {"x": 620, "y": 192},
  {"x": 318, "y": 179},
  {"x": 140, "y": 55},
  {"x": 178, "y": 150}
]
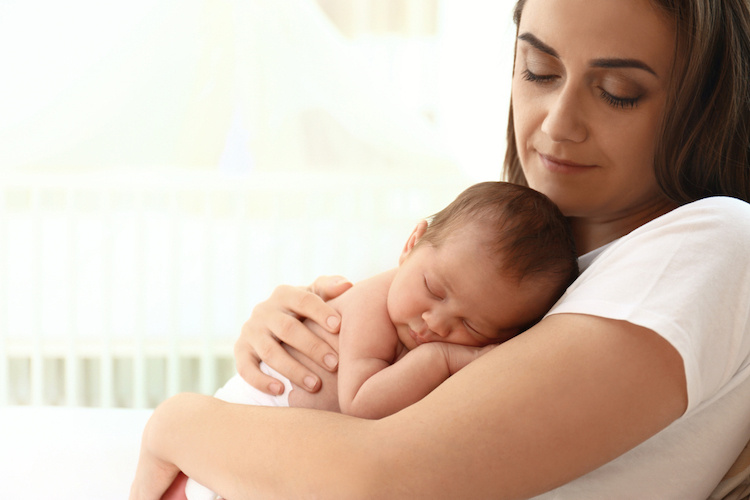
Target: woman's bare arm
[{"x": 562, "y": 399}]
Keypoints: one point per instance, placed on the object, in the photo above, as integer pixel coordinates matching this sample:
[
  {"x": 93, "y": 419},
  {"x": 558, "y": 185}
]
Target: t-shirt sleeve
[{"x": 686, "y": 276}]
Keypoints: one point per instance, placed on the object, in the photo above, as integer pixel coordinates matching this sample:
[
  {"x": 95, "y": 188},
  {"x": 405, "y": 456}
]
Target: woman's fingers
[
  {"x": 330, "y": 287},
  {"x": 304, "y": 304},
  {"x": 248, "y": 366},
  {"x": 277, "y": 320},
  {"x": 294, "y": 333}
]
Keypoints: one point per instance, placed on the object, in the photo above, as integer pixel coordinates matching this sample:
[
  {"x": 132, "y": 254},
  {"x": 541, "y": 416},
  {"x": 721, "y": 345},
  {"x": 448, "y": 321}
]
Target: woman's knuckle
[
  {"x": 281, "y": 291},
  {"x": 239, "y": 347},
  {"x": 307, "y": 302},
  {"x": 247, "y": 370},
  {"x": 266, "y": 350},
  {"x": 286, "y": 327},
  {"x": 258, "y": 310},
  {"x": 316, "y": 349}
]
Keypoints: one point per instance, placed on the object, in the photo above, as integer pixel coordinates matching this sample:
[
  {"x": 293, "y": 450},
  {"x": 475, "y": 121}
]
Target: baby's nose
[{"x": 437, "y": 324}]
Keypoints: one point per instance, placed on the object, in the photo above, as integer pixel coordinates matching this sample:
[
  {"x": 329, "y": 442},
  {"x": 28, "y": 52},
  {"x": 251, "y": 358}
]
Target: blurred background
[{"x": 165, "y": 163}]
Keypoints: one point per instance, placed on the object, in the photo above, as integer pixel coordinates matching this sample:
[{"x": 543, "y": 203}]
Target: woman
[{"x": 633, "y": 116}]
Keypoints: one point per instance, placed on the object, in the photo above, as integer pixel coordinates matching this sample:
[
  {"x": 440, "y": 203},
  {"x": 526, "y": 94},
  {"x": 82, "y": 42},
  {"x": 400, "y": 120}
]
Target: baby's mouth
[{"x": 415, "y": 336}]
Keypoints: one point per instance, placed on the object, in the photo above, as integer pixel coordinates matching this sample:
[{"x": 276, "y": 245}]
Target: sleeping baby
[{"x": 482, "y": 270}]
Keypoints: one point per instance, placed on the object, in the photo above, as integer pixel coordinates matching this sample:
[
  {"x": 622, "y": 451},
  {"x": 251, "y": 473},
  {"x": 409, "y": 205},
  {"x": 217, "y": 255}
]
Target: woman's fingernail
[
  {"x": 330, "y": 360},
  {"x": 276, "y": 388},
  {"x": 310, "y": 382},
  {"x": 333, "y": 322}
]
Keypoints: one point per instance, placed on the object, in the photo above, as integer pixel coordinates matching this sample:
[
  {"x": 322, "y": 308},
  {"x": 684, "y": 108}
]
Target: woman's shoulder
[
  {"x": 682, "y": 275},
  {"x": 719, "y": 204},
  {"x": 718, "y": 227},
  {"x": 714, "y": 219},
  {"x": 716, "y": 208}
]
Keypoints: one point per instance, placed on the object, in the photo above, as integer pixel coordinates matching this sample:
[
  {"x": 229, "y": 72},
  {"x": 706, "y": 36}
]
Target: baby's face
[{"x": 454, "y": 293}]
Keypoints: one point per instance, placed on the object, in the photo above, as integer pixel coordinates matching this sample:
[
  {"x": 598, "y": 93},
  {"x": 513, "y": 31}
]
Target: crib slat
[
  {"x": 242, "y": 302},
  {"x": 37, "y": 358},
  {"x": 106, "y": 361},
  {"x": 139, "y": 354},
  {"x": 71, "y": 359},
  {"x": 4, "y": 324},
  {"x": 173, "y": 352},
  {"x": 4, "y": 371},
  {"x": 264, "y": 222},
  {"x": 207, "y": 361}
]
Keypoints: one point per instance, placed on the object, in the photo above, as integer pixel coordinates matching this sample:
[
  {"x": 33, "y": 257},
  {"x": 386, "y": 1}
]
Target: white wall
[{"x": 109, "y": 112}]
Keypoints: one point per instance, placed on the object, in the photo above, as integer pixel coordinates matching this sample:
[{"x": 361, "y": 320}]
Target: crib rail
[{"x": 120, "y": 290}]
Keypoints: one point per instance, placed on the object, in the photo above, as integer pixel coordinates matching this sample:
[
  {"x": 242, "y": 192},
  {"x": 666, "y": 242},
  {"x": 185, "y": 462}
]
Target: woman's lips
[{"x": 562, "y": 166}]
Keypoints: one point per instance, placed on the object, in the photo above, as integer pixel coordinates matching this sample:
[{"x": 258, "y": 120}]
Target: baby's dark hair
[{"x": 525, "y": 230}]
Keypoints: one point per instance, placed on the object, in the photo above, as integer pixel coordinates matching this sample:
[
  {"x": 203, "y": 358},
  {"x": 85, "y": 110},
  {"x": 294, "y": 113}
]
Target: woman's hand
[{"x": 277, "y": 320}]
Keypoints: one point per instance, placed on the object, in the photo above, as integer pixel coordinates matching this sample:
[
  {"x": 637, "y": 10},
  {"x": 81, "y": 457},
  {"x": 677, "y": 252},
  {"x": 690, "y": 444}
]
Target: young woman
[{"x": 634, "y": 117}]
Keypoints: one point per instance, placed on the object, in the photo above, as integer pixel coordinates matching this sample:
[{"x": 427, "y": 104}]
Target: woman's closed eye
[
  {"x": 613, "y": 100},
  {"x": 619, "y": 91},
  {"x": 619, "y": 102},
  {"x": 528, "y": 75}
]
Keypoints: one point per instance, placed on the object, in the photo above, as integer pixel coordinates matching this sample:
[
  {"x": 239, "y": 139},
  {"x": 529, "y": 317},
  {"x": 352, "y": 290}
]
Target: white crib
[{"x": 121, "y": 290}]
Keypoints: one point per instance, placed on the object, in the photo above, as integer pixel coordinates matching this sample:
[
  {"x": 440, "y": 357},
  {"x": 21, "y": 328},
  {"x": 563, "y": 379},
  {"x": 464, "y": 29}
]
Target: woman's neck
[{"x": 592, "y": 233}]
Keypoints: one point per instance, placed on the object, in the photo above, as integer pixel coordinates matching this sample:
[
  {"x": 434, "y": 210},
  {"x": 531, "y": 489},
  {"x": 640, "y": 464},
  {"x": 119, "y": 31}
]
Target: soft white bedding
[{"x": 68, "y": 453}]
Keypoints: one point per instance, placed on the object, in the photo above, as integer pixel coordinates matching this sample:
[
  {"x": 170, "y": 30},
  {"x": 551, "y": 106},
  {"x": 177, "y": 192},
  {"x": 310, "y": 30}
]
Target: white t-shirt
[{"x": 686, "y": 276}]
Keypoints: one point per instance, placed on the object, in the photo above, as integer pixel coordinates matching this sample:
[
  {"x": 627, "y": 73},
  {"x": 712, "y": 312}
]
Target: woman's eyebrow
[
  {"x": 596, "y": 63},
  {"x": 538, "y": 44},
  {"x": 622, "y": 63}
]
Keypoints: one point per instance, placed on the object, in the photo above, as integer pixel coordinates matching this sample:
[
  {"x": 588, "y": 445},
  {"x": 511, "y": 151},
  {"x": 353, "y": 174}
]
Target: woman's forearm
[
  {"x": 512, "y": 424},
  {"x": 243, "y": 451}
]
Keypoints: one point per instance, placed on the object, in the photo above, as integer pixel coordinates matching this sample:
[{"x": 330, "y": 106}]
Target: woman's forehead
[{"x": 601, "y": 29}]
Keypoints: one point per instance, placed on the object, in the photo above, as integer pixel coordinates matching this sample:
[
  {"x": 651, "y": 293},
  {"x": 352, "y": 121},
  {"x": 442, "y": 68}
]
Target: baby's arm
[
  {"x": 371, "y": 383},
  {"x": 410, "y": 379},
  {"x": 368, "y": 342}
]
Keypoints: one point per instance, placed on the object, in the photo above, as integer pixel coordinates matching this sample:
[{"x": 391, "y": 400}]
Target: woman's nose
[{"x": 565, "y": 120}]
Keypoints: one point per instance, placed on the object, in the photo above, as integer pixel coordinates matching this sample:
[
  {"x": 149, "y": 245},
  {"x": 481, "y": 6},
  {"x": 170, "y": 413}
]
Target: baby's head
[
  {"x": 485, "y": 268},
  {"x": 525, "y": 233}
]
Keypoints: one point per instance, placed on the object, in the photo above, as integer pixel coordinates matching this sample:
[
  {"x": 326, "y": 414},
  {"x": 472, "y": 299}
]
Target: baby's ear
[{"x": 414, "y": 237}]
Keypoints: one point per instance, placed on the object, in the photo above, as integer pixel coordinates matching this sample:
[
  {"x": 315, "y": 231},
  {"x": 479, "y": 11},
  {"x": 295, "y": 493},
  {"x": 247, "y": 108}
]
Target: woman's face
[{"x": 589, "y": 89}]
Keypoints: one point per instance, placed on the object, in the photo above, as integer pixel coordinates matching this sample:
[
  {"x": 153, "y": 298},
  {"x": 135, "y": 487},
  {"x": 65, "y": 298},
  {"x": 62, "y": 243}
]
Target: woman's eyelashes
[
  {"x": 533, "y": 77},
  {"x": 609, "y": 98},
  {"x": 618, "y": 102}
]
